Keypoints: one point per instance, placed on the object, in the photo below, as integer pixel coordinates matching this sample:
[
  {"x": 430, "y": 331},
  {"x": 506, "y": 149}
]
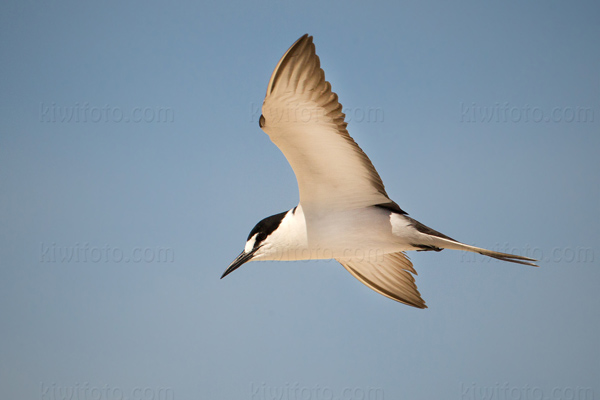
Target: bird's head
[{"x": 260, "y": 244}]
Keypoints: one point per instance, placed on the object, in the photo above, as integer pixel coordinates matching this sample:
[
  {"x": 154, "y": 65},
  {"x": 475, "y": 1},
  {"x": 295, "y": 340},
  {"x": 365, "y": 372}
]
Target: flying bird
[{"x": 344, "y": 212}]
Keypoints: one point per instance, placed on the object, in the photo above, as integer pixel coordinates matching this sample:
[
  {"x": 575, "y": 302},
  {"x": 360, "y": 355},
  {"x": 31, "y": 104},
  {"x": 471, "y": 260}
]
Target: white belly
[{"x": 353, "y": 234}]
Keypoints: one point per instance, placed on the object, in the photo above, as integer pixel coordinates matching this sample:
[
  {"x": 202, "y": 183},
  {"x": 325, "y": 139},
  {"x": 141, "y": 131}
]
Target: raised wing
[
  {"x": 391, "y": 275},
  {"x": 303, "y": 117}
]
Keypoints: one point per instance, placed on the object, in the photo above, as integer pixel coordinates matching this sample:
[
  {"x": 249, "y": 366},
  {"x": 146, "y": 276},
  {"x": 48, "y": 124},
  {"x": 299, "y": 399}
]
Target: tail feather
[{"x": 455, "y": 245}]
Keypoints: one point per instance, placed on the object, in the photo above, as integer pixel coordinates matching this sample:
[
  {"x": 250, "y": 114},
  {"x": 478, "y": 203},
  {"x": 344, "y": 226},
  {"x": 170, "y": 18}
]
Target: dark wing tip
[
  {"x": 298, "y": 46},
  {"x": 400, "y": 288}
]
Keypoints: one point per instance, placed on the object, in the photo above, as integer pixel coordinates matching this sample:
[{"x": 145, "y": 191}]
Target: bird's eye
[{"x": 261, "y": 121}]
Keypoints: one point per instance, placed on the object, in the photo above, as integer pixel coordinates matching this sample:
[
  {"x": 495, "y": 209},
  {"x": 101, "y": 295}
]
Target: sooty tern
[{"x": 344, "y": 211}]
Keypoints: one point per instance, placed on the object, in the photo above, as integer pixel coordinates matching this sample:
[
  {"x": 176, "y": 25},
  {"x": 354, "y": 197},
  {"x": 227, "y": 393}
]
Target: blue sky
[{"x": 132, "y": 169}]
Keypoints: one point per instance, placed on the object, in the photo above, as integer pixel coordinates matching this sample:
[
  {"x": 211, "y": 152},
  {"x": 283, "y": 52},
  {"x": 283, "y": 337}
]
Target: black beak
[{"x": 238, "y": 262}]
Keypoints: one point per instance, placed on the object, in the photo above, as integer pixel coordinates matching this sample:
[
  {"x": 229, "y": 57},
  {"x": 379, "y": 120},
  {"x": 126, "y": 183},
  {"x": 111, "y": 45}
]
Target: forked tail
[{"x": 454, "y": 245}]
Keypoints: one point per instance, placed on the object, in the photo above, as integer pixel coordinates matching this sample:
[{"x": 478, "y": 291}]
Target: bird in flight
[{"x": 344, "y": 212}]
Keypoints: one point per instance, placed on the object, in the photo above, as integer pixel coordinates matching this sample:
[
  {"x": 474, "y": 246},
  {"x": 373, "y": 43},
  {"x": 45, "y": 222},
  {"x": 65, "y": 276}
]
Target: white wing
[
  {"x": 303, "y": 117},
  {"x": 391, "y": 276}
]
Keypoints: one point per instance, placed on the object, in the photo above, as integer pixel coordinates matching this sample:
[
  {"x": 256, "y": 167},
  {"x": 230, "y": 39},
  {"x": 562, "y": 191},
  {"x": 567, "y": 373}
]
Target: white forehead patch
[{"x": 250, "y": 244}]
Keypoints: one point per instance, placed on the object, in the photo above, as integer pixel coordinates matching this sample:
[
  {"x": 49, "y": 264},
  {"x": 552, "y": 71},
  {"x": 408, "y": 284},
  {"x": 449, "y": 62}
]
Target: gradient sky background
[{"x": 481, "y": 117}]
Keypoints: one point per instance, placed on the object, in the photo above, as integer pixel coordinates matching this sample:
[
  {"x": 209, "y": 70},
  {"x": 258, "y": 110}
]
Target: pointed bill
[{"x": 238, "y": 262}]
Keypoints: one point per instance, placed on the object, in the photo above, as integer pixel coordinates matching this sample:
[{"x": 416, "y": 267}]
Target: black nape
[{"x": 265, "y": 227}]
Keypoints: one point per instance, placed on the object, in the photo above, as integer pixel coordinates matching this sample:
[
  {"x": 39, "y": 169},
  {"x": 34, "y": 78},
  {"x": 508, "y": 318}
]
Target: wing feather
[
  {"x": 304, "y": 118},
  {"x": 389, "y": 275}
]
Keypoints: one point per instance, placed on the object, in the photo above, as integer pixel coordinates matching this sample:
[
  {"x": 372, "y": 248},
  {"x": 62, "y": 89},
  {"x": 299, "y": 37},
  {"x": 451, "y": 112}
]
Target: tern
[{"x": 344, "y": 212}]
